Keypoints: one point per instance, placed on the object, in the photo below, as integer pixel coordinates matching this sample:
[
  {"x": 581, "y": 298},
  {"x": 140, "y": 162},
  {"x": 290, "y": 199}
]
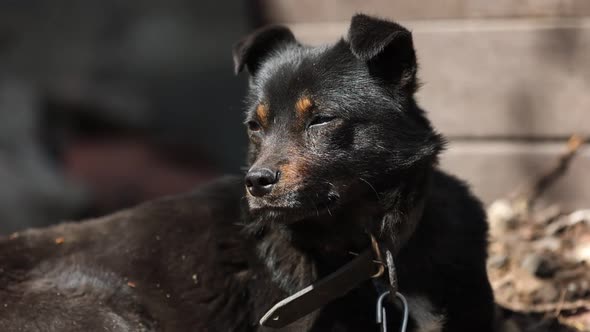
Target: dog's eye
[
  {"x": 253, "y": 126},
  {"x": 321, "y": 120}
]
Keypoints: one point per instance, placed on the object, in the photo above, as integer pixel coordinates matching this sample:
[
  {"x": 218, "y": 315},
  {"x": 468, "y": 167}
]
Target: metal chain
[{"x": 381, "y": 312}]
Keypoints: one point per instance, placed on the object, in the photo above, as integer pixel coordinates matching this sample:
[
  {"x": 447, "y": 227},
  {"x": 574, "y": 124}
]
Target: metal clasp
[{"x": 382, "y": 313}]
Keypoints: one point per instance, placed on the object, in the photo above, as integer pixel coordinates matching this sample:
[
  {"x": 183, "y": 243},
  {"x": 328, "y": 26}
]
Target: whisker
[
  {"x": 370, "y": 185},
  {"x": 329, "y": 212},
  {"x": 314, "y": 205}
]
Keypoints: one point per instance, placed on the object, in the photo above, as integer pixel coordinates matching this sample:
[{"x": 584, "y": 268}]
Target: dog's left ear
[
  {"x": 251, "y": 50},
  {"x": 386, "y": 47}
]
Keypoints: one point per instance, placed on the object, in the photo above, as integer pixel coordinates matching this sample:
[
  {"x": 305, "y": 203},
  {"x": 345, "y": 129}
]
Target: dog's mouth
[{"x": 293, "y": 208}]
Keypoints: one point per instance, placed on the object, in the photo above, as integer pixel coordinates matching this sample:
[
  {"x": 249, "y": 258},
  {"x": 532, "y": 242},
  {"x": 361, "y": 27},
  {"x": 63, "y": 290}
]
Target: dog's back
[{"x": 176, "y": 264}]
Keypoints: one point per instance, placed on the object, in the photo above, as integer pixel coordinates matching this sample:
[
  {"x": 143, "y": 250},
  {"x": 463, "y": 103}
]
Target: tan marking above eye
[
  {"x": 303, "y": 105},
  {"x": 262, "y": 113}
]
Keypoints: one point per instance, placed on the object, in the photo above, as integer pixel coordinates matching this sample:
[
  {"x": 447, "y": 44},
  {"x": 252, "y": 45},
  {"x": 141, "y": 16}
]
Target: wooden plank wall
[{"x": 506, "y": 81}]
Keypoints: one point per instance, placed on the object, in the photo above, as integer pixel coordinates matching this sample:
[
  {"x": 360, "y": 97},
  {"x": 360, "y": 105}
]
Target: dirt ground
[{"x": 539, "y": 258}]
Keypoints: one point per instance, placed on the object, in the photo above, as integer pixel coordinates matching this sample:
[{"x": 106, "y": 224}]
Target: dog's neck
[{"x": 300, "y": 253}]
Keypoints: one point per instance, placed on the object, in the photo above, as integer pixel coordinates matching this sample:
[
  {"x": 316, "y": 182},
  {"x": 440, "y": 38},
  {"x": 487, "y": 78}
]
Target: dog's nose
[{"x": 260, "y": 181}]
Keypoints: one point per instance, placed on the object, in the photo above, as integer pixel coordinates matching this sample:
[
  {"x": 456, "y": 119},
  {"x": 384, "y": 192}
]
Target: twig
[
  {"x": 544, "y": 307},
  {"x": 534, "y": 190},
  {"x": 560, "y": 303}
]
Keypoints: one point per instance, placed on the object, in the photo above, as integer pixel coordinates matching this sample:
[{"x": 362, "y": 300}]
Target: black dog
[
  {"x": 339, "y": 153},
  {"x": 340, "y": 149}
]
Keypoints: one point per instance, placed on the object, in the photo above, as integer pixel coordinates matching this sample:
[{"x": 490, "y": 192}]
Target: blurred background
[{"x": 104, "y": 104}]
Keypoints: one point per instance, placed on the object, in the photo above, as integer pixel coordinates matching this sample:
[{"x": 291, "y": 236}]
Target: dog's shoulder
[
  {"x": 452, "y": 200},
  {"x": 453, "y": 228},
  {"x": 447, "y": 254}
]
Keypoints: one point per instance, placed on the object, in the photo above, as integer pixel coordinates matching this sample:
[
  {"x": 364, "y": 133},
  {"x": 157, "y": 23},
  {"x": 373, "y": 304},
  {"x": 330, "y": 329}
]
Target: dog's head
[{"x": 330, "y": 125}]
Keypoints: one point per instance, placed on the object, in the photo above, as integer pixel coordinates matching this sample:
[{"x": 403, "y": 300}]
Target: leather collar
[{"x": 365, "y": 266}]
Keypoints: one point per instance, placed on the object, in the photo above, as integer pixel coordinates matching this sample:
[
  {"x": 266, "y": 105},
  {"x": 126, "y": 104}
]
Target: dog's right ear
[{"x": 252, "y": 49}]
